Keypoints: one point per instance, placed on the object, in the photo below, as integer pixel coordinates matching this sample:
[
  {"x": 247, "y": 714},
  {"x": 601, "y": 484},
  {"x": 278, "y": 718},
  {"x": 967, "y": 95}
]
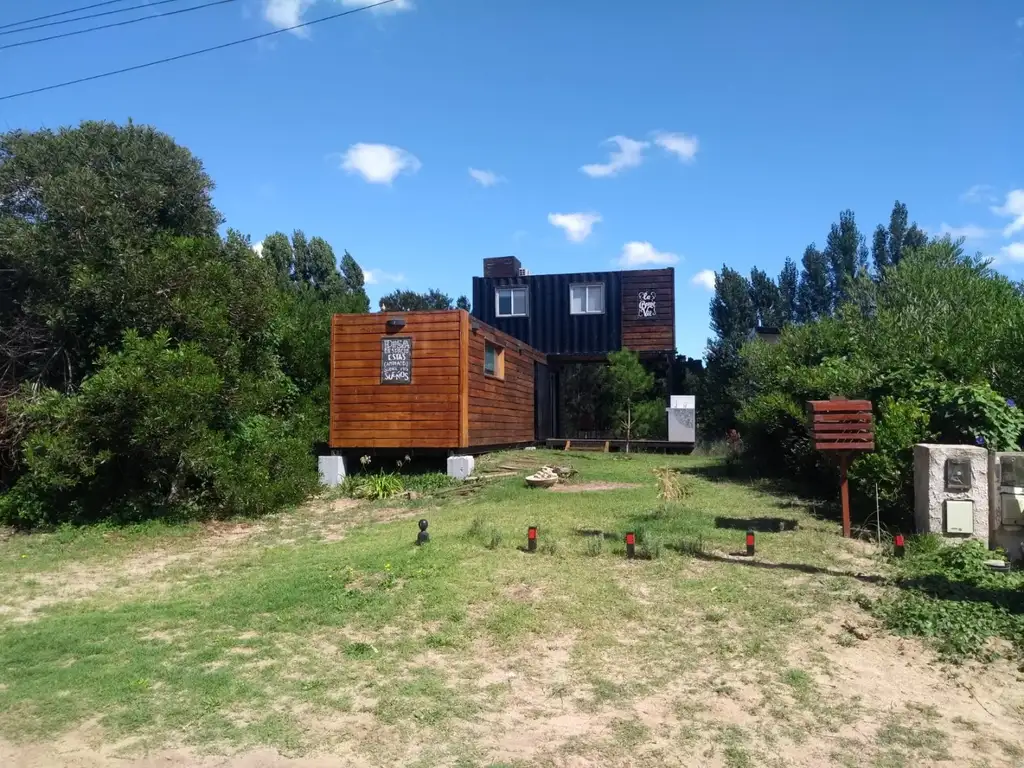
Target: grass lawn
[{"x": 325, "y": 637}]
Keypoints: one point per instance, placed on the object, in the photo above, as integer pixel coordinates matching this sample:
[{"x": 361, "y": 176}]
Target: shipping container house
[
  {"x": 429, "y": 380},
  {"x": 446, "y": 380}
]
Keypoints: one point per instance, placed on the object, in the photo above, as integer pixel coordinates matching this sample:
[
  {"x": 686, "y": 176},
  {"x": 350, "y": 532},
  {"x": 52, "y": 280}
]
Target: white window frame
[
  {"x": 586, "y": 298},
  {"x": 512, "y": 289}
]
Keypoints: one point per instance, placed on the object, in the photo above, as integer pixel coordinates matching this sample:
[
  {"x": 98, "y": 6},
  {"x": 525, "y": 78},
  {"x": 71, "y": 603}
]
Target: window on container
[
  {"x": 494, "y": 360},
  {"x": 586, "y": 299},
  {"x": 512, "y": 302}
]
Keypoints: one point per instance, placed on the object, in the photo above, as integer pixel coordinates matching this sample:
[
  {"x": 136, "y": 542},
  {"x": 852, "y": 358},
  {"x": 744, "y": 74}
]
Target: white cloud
[
  {"x": 979, "y": 193},
  {"x": 485, "y": 178},
  {"x": 379, "y": 163},
  {"x": 577, "y": 226},
  {"x": 680, "y": 144},
  {"x": 286, "y": 13},
  {"x": 630, "y": 153},
  {"x": 705, "y": 279},
  {"x": 637, "y": 254},
  {"x": 1013, "y": 208},
  {"x": 258, "y": 248},
  {"x": 1012, "y": 252},
  {"x": 396, "y": 7},
  {"x": 968, "y": 231},
  {"x": 378, "y": 276}
]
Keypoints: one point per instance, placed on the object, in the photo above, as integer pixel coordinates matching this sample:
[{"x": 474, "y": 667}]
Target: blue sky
[{"x": 744, "y": 128}]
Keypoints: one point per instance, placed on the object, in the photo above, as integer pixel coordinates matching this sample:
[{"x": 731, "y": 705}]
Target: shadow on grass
[
  {"x": 746, "y": 562},
  {"x": 788, "y": 494},
  {"x": 757, "y": 524}
]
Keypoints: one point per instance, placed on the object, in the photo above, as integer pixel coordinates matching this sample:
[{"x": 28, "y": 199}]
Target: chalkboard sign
[{"x": 396, "y": 360}]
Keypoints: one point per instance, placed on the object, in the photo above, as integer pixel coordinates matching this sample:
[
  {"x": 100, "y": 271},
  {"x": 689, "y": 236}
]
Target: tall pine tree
[
  {"x": 789, "y": 283},
  {"x": 814, "y": 297}
]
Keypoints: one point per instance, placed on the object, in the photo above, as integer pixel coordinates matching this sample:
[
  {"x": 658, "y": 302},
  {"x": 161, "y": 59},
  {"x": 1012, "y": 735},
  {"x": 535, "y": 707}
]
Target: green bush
[
  {"x": 149, "y": 436},
  {"x": 951, "y": 596},
  {"x": 382, "y": 485}
]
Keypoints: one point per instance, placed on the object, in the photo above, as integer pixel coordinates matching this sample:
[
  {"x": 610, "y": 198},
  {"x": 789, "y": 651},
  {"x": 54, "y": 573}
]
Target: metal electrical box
[
  {"x": 959, "y": 516},
  {"x": 1012, "y": 508}
]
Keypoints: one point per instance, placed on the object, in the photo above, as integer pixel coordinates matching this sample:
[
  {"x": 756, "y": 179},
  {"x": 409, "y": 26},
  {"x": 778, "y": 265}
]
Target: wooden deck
[{"x": 640, "y": 446}]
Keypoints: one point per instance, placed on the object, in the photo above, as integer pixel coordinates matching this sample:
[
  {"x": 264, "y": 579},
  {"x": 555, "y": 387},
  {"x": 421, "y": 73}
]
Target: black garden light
[{"x": 423, "y": 536}]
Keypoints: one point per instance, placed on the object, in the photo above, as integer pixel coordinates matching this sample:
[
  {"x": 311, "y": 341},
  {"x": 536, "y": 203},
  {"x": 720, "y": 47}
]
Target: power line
[
  {"x": 61, "y": 13},
  {"x": 85, "y": 18},
  {"x": 114, "y": 24},
  {"x": 201, "y": 51}
]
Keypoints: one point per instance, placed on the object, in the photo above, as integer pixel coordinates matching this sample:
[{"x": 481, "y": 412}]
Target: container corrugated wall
[{"x": 549, "y": 327}]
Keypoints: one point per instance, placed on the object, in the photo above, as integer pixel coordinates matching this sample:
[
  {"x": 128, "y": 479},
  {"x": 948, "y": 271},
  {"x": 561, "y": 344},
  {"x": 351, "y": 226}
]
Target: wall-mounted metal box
[
  {"x": 959, "y": 516},
  {"x": 1012, "y": 509},
  {"x": 958, "y": 475}
]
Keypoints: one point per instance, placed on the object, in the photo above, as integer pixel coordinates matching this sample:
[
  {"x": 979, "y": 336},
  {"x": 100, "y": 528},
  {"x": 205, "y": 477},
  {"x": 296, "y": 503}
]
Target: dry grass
[{"x": 326, "y": 637}]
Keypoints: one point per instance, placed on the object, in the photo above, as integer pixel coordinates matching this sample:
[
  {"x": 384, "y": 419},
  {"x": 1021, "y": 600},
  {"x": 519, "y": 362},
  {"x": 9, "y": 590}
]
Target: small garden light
[
  {"x": 899, "y": 545},
  {"x": 423, "y": 536},
  {"x": 631, "y": 545},
  {"x": 750, "y": 543},
  {"x": 531, "y": 539}
]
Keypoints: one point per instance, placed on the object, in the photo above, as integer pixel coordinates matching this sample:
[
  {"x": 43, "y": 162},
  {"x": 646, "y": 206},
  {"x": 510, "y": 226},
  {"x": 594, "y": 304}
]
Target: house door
[{"x": 542, "y": 402}]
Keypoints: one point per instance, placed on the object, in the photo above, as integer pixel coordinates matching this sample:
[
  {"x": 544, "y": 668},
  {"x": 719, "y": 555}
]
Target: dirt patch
[{"x": 598, "y": 486}]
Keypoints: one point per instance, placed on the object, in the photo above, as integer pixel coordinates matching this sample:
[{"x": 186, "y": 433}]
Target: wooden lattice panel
[{"x": 841, "y": 425}]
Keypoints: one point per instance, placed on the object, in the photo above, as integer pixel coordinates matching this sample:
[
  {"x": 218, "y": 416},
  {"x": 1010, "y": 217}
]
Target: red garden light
[
  {"x": 750, "y": 543},
  {"x": 531, "y": 539},
  {"x": 631, "y": 545},
  {"x": 898, "y": 545}
]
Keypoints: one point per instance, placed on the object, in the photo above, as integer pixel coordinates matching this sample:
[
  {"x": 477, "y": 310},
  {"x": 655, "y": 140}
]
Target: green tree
[
  {"x": 880, "y": 250},
  {"x": 789, "y": 283},
  {"x": 410, "y": 301},
  {"x": 277, "y": 252},
  {"x": 896, "y": 236},
  {"x": 355, "y": 283},
  {"x": 733, "y": 315},
  {"x": 764, "y": 295},
  {"x": 846, "y": 254},
  {"x": 462, "y": 303},
  {"x": 630, "y": 383},
  {"x": 814, "y": 297},
  {"x": 147, "y": 349},
  {"x": 79, "y": 210}
]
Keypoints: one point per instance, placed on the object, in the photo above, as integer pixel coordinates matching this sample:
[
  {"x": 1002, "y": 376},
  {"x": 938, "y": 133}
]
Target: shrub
[
  {"x": 951, "y": 596},
  {"x": 148, "y": 436},
  {"x": 382, "y": 485}
]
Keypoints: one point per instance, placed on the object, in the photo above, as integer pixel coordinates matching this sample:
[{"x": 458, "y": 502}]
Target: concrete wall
[
  {"x": 931, "y": 494},
  {"x": 1008, "y": 537}
]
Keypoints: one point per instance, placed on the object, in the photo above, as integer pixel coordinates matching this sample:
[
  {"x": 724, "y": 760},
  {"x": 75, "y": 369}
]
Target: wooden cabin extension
[{"x": 464, "y": 385}]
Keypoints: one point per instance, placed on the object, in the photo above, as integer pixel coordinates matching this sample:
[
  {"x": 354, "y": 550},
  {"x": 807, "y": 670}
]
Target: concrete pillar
[
  {"x": 952, "y": 501},
  {"x": 460, "y": 467},
  {"x": 332, "y": 470}
]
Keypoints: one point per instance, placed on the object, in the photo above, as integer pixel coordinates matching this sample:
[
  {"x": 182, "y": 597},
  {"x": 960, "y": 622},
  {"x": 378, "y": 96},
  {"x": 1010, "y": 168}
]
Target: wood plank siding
[
  {"x": 449, "y": 404},
  {"x": 423, "y": 414},
  {"x": 501, "y": 408},
  {"x": 653, "y": 333}
]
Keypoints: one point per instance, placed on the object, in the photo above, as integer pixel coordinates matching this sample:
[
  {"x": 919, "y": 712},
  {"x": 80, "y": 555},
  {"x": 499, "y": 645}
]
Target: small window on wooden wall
[{"x": 494, "y": 360}]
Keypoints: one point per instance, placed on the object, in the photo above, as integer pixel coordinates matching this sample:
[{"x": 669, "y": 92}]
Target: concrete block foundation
[
  {"x": 332, "y": 470},
  {"x": 461, "y": 467}
]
